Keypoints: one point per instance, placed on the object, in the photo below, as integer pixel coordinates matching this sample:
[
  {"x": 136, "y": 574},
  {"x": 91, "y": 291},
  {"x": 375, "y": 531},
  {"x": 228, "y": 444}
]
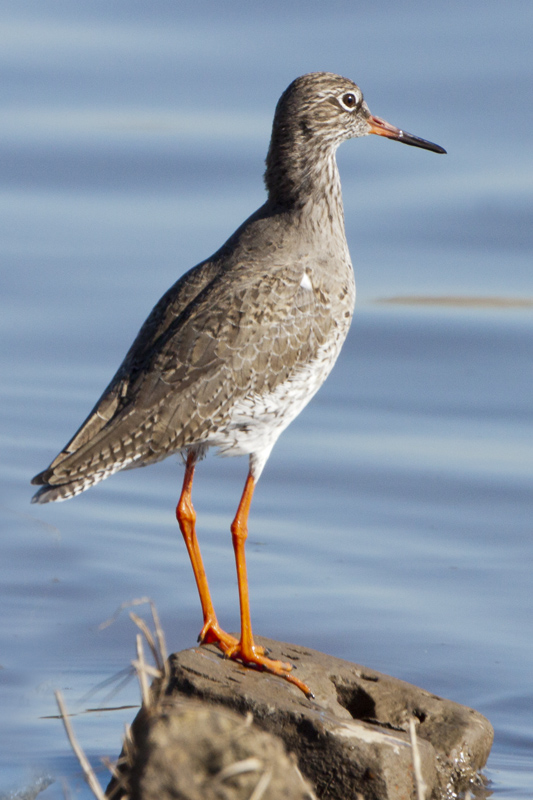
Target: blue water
[{"x": 392, "y": 525}]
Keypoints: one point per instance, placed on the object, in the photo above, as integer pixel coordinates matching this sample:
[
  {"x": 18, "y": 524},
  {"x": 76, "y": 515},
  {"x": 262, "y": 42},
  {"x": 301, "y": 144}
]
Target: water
[{"x": 392, "y": 525}]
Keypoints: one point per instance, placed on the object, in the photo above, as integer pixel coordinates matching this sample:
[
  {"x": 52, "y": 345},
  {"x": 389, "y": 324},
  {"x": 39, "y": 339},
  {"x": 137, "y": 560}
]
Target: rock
[
  {"x": 353, "y": 738},
  {"x": 351, "y": 741},
  {"x": 194, "y": 751}
]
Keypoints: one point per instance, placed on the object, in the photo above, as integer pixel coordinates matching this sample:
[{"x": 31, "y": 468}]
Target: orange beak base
[{"x": 382, "y": 128}]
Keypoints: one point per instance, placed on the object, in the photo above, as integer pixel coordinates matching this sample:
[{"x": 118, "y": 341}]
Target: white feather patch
[{"x": 305, "y": 283}]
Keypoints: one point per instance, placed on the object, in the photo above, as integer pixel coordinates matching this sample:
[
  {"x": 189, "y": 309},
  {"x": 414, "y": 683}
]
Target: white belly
[{"x": 256, "y": 420}]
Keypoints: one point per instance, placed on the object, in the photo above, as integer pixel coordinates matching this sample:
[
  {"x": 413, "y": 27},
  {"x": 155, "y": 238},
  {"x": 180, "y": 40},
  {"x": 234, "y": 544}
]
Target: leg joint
[
  {"x": 185, "y": 512},
  {"x": 239, "y": 529}
]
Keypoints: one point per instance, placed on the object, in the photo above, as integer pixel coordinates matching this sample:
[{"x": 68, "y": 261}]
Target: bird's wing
[
  {"x": 253, "y": 337},
  {"x": 117, "y": 394},
  {"x": 192, "y": 360}
]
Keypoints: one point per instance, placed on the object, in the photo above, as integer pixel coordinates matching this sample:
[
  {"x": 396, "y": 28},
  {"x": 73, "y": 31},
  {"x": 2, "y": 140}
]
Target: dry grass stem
[
  {"x": 417, "y": 764},
  {"x": 310, "y": 794},
  {"x": 147, "y": 633},
  {"x": 157, "y": 645},
  {"x": 67, "y": 794},
  {"x": 121, "y": 785},
  {"x": 138, "y": 601},
  {"x": 156, "y": 642},
  {"x": 262, "y": 785},
  {"x": 88, "y": 771},
  {"x": 247, "y": 765},
  {"x": 160, "y": 636},
  {"x": 251, "y": 764},
  {"x": 140, "y": 668},
  {"x": 147, "y": 669},
  {"x": 117, "y": 681}
]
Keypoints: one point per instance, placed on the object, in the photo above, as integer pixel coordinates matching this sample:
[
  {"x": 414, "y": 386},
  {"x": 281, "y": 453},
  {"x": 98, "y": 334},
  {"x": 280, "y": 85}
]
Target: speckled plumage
[{"x": 237, "y": 347}]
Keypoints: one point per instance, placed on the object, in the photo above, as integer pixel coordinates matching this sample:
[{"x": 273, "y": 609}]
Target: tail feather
[
  {"x": 50, "y": 493},
  {"x": 61, "y": 483},
  {"x": 94, "y": 453}
]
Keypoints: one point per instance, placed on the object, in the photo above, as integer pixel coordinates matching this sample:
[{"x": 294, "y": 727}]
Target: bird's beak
[{"x": 383, "y": 128}]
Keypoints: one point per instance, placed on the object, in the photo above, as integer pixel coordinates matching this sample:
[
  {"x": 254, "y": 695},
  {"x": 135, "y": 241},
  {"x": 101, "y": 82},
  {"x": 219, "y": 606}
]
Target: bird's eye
[{"x": 349, "y": 101}]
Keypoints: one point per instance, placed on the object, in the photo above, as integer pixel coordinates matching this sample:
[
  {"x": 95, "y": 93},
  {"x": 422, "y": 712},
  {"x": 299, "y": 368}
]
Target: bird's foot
[
  {"x": 255, "y": 657},
  {"x": 212, "y": 633}
]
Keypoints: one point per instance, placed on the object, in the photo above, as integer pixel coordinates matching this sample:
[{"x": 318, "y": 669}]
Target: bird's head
[{"x": 328, "y": 109}]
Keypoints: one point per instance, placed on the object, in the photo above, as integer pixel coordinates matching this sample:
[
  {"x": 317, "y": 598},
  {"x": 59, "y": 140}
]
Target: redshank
[{"x": 239, "y": 345}]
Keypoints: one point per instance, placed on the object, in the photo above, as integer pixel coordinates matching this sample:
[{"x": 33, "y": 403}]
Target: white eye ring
[{"x": 349, "y": 101}]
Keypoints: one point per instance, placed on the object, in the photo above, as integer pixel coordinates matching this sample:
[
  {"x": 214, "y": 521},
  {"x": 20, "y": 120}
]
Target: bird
[{"x": 239, "y": 345}]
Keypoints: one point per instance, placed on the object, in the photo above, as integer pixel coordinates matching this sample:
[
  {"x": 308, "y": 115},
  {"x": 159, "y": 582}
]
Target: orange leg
[
  {"x": 186, "y": 516},
  {"x": 245, "y": 650}
]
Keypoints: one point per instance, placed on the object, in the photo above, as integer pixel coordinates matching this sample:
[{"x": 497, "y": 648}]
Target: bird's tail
[
  {"x": 100, "y": 448},
  {"x": 71, "y": 473},
  {"x": 49, "y": 492}
]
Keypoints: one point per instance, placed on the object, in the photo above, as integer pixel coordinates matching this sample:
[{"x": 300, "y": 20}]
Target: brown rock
[
  {"x": 353, "y": 738},
  {"x": 194, "y": 751},
  {"x": 351, "y": 741}
]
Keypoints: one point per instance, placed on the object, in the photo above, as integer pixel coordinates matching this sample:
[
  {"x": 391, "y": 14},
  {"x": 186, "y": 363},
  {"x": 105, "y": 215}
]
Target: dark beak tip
[
  {"x": 424, "y": 144},
  {"x": 382, "y": 128}
]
